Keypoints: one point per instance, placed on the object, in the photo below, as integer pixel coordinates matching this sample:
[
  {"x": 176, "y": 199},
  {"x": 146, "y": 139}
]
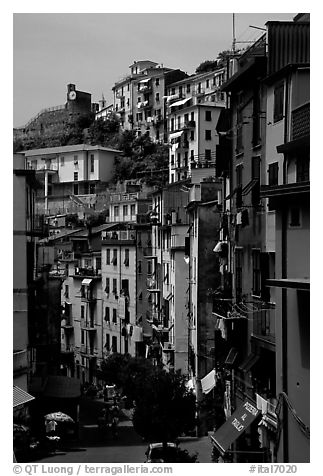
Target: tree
[
  {"x": 205, "y": 66},
  {"x": 164, "y": 409}
]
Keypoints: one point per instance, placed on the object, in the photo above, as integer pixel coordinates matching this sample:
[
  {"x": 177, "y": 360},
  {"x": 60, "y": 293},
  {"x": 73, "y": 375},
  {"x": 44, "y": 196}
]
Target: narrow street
[{"x": 128, "y": 447}]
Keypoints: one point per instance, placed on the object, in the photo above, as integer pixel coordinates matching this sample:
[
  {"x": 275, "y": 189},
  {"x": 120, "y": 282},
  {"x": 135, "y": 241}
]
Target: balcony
[
  {"x": 87, "y": 272},
  {"x": 177, "y": 242},
  {"x": 67, "y": 323},
  {"x": 66, "y": 256},
  {"x": 152, "y": 285},
  {"x": 120, "y": 235},
  {"x": 301, "y": 122},
  {"x": 168, "y": 347},
  {"x": 189, "y": 125},
  {"x": 88, "y": 325},
  {"x": 67, "y": 349},
  {"x": 88, "y": 351},
  {"x": 264, "y": 324},
  {"x": 20, "y": 361}
]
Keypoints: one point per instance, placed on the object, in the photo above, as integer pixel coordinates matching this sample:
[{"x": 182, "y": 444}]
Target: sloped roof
[{"x": 65, "y": 149}]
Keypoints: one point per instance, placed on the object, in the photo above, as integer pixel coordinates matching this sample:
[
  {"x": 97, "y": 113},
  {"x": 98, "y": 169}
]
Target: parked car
[{"x": 158, "y": 453}]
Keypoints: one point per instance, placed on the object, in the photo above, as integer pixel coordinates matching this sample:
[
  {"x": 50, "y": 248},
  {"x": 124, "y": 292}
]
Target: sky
[{"x": 94, "y": 50}]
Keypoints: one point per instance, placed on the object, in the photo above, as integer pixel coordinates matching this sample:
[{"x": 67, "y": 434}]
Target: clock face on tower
[{"x": 72, "y": 95}]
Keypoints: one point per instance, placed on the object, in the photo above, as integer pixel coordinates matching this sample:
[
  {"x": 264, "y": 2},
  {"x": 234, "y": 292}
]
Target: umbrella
[{"x": 59, "y": 416}]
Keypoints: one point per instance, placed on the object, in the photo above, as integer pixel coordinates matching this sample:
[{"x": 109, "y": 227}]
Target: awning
[
  {"x": 20, "y": 397},
  {"x": 144, "y": 80},
  {"x": 235, "y": 426},
  {"x": 175, "y": 134},
  {"x": 249, "y": 186},
  {"x": 169, "y": 297},
  {"x": 86, "y": 282},
  {"x": 249, "y": 362},
  {"x": 181, "y": 102}
]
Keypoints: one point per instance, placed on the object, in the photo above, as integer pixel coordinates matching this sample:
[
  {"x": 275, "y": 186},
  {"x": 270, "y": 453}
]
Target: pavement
[{"x": 127, "y": 447}]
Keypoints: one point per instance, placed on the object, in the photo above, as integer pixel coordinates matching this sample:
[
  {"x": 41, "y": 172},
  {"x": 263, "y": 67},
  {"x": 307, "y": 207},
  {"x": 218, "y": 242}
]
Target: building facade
[{"x": 70, "y": 173}]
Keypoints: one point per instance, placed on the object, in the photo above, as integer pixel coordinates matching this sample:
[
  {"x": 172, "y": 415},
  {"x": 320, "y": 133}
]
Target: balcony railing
[
  {"x": 264, "y": 324},
  {"x": 67, "y": 348},
  {"x": 301, "y": 122},
  {"x": 88, "y": 325},
  {"x": 120, "y": 235},
  {"x": 87, "y": 272},
  {"x": 20, "y": 361},
  {"x": 152, "y": 285}
]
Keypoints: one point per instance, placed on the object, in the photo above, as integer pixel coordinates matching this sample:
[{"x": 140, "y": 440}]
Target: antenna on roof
[{"x": 233, "y": 34}]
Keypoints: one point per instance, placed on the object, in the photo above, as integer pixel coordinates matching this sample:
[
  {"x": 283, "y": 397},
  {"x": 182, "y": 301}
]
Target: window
[
  {"x": 192, "y": 135},
  {"x": 238, "y": 272},
  {"x": 116, "y": 211},
  {"x": 139, "y": 267},
  {"x": 114, "y": 286},
  {"x": 157, "y": 97},
  {"x": 76, "y": 176},
  {"x": 239, "y": 170},
  {"x": 132, "y": 210},
  {"x": 208, "y": 115},
  {"x": 107, "y": 286},
  {"x": 207, "y": 154},
  {"x": 126, "y": 257},
  {"x": 82, "y": 337},
  {"x": 92, "y": 162},
  {"x": 125, "y": 287},
  {"x": 239, "y": 144},
  {"x": 66, "y": 291},
  {"x": 207, "y": 83},
  {"x": 114, "y": 346},
  {"x": 256, "y": 118},
  {"x": 279, "y": 102},
  {"x": 107, "y": 342},
  {"x": 157, "y": 81},
  {"x": 256, "y": 272},
  {"x": 76, "y": 188},
  {"x": 107, "y": 314},
  {"x": 302, "y": 170},
  {"x": 114, "y": 316},
  {"x": 108, "y": 261},
  {"x": 62, "y": 161},
  {"x": 125, "y": 210},
  {"x": 115, "y": 257},
  {"x": 173, "y": 91},
  {"x": 294, "y": 217},
  {"x": 192, "y": 116},
  {"x": 149, "y": 267},
  {"x": 207, "y": 134},
  {"x": 255, "y": 168},
  {"x": 92, "y": 187},
  {"x": 188, "y": 88},
  {"x": 199, "y": 87},
  {"x": 139, "y": 242},
  {"x": 178, "y": 122},
  {"x": 273, "y": 174}
]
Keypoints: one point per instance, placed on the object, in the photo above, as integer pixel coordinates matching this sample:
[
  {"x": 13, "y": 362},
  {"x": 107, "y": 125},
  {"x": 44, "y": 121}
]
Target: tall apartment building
[
  {"x": 70, "y": 174},
  {"x": 139, "y": 98},
  {"x": 23, "y": 266},
  {"x": 193, "y": 108},
  {"x": 204, "y": 278},
  {"x": 168, "y": 284},
  {"x": 266, "y": 147},
  {"x": 287, "y": 189}
]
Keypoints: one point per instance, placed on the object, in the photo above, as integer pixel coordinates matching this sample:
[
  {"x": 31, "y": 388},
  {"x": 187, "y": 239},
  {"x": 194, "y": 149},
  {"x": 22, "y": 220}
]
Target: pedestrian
[{"x": 50, "y": 427}]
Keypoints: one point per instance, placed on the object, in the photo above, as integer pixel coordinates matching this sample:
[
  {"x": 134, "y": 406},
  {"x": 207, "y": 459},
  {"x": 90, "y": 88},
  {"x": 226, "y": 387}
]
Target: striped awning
[
  {"x": 20, "y": 397},
  {"x": 181, "y": 102}
]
